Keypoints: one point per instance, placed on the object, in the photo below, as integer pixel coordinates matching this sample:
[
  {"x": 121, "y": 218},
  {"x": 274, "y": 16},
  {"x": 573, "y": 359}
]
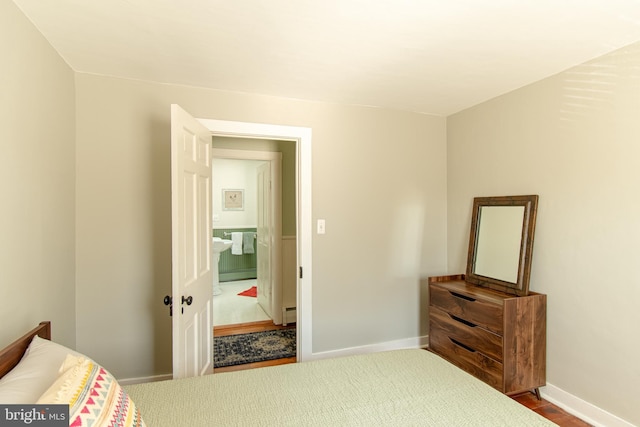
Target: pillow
[
  {"x": 35, "y": 372},
  {"x": 94, "y": 396}
]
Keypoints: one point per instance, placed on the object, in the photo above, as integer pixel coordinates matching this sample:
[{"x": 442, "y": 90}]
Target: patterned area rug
[{"x": 253, "y": 347}]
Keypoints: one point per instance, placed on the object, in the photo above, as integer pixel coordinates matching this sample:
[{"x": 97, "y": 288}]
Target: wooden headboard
[{"x": 11, "y": 355}]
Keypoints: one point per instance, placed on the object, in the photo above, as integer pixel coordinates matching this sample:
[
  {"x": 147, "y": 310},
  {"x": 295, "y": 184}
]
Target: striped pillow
[{"x": 94, "y": 396}]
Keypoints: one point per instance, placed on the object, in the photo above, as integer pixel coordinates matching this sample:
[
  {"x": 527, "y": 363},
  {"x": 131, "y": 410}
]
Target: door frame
[
  {"x": 302, "y": 138},
  {"x": 275, "y": 159}
]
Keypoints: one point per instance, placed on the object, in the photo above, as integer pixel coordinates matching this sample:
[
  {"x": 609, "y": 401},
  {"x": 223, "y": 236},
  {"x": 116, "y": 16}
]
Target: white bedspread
[{"x": 394, "y": 388}]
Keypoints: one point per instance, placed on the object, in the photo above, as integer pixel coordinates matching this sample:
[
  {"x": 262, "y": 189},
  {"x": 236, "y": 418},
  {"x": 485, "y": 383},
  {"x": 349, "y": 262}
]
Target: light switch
[
  {"x": 216, "y": 217},
  {"x": 321, "y": 228}
]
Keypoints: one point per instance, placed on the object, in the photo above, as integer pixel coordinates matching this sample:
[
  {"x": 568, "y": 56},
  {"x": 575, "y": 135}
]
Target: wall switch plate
[
  {"x": 216, "y": 217},
  {"x": 321, "y": 226}
]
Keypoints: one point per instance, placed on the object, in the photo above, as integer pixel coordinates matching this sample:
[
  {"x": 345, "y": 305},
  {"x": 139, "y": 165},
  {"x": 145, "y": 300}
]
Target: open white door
[
  {"x": 192, "y": 276},
  {"x": 264, "y": 282}
]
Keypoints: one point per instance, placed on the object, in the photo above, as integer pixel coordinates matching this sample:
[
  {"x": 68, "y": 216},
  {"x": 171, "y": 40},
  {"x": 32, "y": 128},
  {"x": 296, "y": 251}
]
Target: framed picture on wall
[{"x": 232, "y": 200}]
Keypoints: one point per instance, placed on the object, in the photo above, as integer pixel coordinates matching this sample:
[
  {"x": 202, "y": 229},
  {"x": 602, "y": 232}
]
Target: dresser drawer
[
  {"x": 475, "y": 363},
  {"x": 472, "y": 309},
  {"x": 467, "y": 333}
]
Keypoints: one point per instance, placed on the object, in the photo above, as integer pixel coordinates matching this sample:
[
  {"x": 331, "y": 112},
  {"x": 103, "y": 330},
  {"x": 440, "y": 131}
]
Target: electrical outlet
[{"x": 321, "y": 226}]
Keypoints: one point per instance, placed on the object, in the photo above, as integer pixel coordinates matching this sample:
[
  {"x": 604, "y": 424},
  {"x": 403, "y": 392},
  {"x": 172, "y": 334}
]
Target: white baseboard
[
  {"x": 140, "y": 380},
  {"x": 582, "y": 409},
  {"x": 289, "y": 315},
  {"x": 419, "y": 342}
]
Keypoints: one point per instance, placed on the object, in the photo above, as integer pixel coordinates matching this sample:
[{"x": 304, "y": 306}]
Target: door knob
[
  {"x": 169, "y": 301},
  {"x": 188, "y": 299}
]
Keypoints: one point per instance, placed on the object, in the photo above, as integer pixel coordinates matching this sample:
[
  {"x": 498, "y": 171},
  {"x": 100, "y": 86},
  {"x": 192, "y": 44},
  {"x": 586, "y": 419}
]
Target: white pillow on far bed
[{"x": 34, "y": 374}]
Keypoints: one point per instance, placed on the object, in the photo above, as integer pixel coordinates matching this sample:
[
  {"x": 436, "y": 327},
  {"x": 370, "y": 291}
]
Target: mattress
[{"x": 393, "y": 388}]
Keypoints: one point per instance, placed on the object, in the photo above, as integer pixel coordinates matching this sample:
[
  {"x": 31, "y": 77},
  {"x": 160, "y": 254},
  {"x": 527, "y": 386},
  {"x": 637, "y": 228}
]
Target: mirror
[{"x": 501, "y": 242}]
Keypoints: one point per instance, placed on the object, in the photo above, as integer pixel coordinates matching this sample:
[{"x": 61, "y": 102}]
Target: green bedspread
[{"x": 393, "y": 388}]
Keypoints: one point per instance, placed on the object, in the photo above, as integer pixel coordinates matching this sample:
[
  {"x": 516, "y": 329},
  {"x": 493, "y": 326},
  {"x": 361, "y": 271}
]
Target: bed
[{"x": 392, "y": 388}]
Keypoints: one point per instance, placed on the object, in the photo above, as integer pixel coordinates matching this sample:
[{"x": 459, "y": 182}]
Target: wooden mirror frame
[{"x": 521, "y": 286}]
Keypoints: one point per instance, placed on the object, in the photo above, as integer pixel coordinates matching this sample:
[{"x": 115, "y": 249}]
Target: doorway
[
  {"x": 192, "y": 244},
  {"x": 255, "y": 169},
  {"x": 301, "y": 251}
]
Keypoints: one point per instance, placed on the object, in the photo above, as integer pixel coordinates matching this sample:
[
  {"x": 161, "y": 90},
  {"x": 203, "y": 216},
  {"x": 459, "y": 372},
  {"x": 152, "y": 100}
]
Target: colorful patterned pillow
[{"x": 94, "y": 396}]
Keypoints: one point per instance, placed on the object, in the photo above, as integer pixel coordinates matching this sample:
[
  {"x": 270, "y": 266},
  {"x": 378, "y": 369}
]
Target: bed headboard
[{"x": 11, "y": 355}]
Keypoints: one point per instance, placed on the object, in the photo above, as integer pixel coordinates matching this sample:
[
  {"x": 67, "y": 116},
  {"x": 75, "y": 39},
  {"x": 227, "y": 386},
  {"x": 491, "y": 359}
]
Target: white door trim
[{"x": 302, "y": 138}]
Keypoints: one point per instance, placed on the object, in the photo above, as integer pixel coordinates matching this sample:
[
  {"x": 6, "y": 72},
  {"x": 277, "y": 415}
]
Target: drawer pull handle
[
  {"x": 466, "y": 322},
  {"x": 459, "y": 344},
  {"x": 464, "y": 297}
]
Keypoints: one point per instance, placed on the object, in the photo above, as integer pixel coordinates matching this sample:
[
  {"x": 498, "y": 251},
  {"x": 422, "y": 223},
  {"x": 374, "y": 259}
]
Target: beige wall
[
  {"x": 37, "y": 159},
  {"x": 379, "y": 180},
  {"x": 574, "y": 140}
]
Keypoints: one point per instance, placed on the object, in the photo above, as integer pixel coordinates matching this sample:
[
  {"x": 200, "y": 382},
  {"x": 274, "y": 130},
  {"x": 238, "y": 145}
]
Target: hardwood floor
[
  {"x": 542, "y": 407},
  {"x": 549, "y": 411},
  {"x": 245, "y": 328}
]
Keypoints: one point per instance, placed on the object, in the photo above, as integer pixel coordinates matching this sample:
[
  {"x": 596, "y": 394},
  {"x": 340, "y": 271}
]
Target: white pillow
[{"x": 35, "y": 373}]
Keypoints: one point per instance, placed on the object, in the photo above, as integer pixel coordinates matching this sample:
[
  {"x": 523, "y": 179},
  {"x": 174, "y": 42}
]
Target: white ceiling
[{"x": 429, "y": 56}]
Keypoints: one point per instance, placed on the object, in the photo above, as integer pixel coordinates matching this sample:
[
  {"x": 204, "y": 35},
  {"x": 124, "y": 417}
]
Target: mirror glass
[
  {"x": 501, "y": 242},
  {"x": 498, "y": 244}
]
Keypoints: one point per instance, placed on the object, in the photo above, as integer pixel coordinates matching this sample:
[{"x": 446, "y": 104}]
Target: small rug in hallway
[
  {"x": 253, "y": 347},
  {"x": 251, "y": 292}
]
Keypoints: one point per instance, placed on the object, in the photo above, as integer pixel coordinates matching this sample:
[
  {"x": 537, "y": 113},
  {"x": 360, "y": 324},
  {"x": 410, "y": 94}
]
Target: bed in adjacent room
[{"x": 392, "y": 388}]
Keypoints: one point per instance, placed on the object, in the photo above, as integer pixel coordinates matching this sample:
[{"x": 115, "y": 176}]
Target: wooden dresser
[{"x": 500, "y": 338}]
